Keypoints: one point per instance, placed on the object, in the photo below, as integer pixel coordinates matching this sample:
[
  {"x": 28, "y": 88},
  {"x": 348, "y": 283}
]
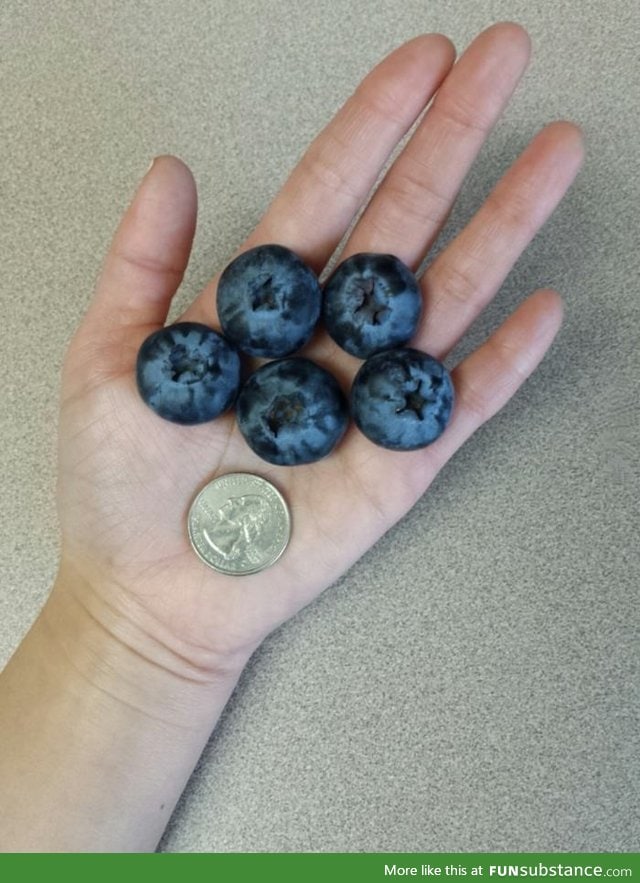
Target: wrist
[
  {"x": 102, "y": 726},
  {"x": 98, "y": 634}
]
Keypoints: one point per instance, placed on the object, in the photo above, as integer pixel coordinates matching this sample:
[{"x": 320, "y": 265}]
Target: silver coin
[{"x": 239, "y": 524}]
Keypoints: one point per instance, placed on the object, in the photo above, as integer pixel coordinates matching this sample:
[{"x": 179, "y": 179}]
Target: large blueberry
[
  {"x": 292, "y": 411},
  {"x": 371, "y": 303},
  {"x": 188, "y": 373},
  {"x": 268, "y": 301},
  {"x": 402, "y": 399}
]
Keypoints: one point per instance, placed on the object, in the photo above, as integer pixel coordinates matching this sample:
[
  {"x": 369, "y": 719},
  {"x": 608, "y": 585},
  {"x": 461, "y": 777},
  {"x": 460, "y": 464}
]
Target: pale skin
[{"x": 111, "y": 697}]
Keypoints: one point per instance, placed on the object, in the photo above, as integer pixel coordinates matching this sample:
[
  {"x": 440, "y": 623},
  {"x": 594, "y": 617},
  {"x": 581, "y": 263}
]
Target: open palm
[{"x": 127, "y": 478}]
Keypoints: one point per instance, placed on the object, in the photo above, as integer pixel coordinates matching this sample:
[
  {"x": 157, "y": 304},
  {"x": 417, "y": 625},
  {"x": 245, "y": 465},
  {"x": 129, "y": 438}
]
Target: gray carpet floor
[{"x": 472, "y": 683}]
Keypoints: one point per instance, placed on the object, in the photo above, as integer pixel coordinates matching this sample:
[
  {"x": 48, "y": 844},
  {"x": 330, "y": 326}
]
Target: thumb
[{"x": 143, "y": 268}]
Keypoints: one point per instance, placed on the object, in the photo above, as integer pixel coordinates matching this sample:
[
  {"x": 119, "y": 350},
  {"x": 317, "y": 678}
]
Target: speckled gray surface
[{"x": 472, "y": 684}]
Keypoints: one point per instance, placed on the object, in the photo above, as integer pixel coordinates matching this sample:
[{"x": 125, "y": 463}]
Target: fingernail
[{"x": 151, "y": 165}]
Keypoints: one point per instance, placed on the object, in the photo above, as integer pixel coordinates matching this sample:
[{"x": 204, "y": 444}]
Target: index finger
[{"x": 329, "y": 185}]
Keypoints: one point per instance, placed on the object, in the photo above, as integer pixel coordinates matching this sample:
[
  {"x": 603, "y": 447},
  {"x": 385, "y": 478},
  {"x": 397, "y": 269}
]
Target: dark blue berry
[
  {"x": 268, "y": 301},
  {"x": 371, "y": 303},
  {"x": 402, "y": 399},
  {"x": 188, "y": 373},
  {"x": 292, "y": 411}
]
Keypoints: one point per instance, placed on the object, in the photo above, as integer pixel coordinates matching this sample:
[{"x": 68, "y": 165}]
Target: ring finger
[{"x": 467, "y": 274}]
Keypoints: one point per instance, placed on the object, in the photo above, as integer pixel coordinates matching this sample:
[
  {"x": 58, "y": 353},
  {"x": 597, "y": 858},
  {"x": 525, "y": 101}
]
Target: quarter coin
[{"x": 239, "y": 524}]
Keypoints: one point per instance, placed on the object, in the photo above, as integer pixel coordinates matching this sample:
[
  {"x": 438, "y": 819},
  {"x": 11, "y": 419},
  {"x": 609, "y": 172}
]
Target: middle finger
[{"x": 412, "y": 203}]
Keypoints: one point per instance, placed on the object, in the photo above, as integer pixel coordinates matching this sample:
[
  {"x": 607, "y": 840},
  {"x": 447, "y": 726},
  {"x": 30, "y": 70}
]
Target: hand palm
[
  {"x": 127, "y": 478},
  {"x": 127, "y": 482}
]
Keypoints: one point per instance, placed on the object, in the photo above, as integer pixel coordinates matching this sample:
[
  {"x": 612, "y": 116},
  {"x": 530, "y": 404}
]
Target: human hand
[{"x": 126, "y": 478}]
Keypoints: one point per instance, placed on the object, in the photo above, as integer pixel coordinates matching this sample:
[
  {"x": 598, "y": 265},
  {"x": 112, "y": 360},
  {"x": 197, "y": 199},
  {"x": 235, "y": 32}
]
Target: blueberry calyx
[
  {"x": 186, "y": 368},
  {"x": 292, "y": 411},
  {"x": 263, "y": 295},
  {"x": 286, "y": 411},
  {"x": 402, "y": 399},
  {"x": 268, "y": 301},
  {"x": 372, "y": 308},
  {"x": 414, "y": 401},
  {"x": 187, "y": 373},
  {"x": 371, "y": 303}
]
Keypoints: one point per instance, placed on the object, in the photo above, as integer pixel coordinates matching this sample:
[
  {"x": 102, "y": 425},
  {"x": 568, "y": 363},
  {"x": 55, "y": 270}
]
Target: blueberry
[
  {"x": 268, "y": 301},
  {"x": 371, "y": 303},
  {"x": 188, "y": 373},
  {"x": 292, "y": 411},
  {"x": 402, "y": 399}
]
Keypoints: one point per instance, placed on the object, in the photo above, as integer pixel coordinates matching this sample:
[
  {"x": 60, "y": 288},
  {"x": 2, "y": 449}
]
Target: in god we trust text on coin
[{"x": 239, "y": 524}]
